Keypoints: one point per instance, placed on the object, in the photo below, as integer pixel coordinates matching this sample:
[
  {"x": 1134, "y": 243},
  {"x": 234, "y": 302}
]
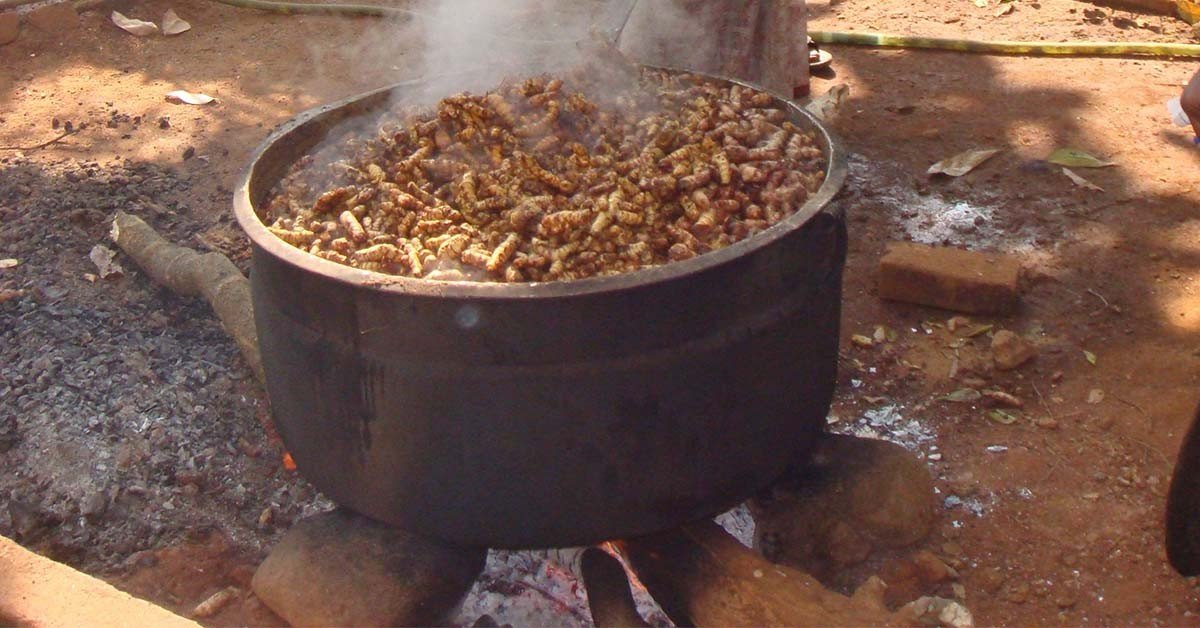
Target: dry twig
[{"x": 43, "y": 144}]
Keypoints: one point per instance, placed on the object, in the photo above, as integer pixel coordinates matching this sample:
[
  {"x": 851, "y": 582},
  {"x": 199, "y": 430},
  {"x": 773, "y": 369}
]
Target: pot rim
[{"x": 250, "y": 222}]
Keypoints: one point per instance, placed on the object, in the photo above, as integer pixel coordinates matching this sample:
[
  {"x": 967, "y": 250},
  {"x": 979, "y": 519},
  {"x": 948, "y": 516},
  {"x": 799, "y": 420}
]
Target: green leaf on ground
[{"x": 1075, "y": 158}]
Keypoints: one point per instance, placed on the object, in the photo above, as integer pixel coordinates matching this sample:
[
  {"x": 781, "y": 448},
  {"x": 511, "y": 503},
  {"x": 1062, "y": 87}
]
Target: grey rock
[
  {"x": 936, "y": 611},
  {"x": 342, "y": 569},
  {"x": 856, "y": 495},
  {"x": 1010, "y": 350},
  {"x": 93, "y": 506}
]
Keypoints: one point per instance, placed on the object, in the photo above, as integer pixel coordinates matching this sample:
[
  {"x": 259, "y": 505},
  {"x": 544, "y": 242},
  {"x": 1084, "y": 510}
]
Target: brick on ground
[
  {"x": 36, "y": 591},
  {"x": 54, "y": 18},
  {"x": 953, "y": 279},
  {"x": 10, "y": 27}
]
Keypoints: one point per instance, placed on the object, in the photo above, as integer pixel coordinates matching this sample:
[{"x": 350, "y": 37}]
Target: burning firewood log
[
  {"x": 607, "y": 586},
  {"x": 608, "y": 590}
]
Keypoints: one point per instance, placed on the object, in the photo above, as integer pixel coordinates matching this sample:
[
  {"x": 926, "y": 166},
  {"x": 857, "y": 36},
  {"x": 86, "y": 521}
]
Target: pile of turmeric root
[{"x": 538, "y": 182}]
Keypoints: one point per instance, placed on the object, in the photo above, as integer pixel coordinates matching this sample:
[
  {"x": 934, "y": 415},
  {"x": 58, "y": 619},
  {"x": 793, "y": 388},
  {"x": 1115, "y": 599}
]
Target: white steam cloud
[
  {"x": 472, "y": 44},
  {"x": 458, "y": 45}
]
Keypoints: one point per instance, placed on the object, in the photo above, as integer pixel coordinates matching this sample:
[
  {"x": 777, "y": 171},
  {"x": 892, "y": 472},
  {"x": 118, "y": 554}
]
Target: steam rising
[
  {"x": 671, "y": 33},
  {"x": 471, "y": 44}
]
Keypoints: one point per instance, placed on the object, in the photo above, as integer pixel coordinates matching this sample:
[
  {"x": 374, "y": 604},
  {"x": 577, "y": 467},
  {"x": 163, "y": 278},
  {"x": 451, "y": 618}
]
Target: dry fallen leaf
[
  {"x": 826, "y": 106},
  {"x": 132, "y": 26},
  {"x": 9, "y": 263},
  {"x": 102, "y": 257},
  {"x": 956, "y": 323},
  {"x": 963, "y": 395},
  {"x": 266, "y": 517},
  {"x": 1080, "y": 181},
  {"x": 1004, "y": 10},
  {"x": 1076, "y": 158},
  {"x": 1095, "y": 396},
  {"x": 1004, "y": 399},
  {"x": 962, "y": 163},
  {"x": 862, "y": 341},
  {"x": 980, "y": 330},
  {"x": 1002, "y": 417},
  {"x": 188, "y": 98},
  {"x": 172, "y": 24},
  {"x": 1091, "y": 357}
]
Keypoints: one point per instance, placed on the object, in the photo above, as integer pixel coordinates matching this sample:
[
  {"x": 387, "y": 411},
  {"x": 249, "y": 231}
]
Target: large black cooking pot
[{"x": 544, "y": 415}]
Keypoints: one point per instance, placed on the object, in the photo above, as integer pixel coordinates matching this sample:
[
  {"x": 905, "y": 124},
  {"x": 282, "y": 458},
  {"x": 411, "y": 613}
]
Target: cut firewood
[
  {"x": 189, "y": 273},
  {"x": 608, "y": 591},
  {"x": 607, "y": 586},
  {"x": 701, "y": 576}
]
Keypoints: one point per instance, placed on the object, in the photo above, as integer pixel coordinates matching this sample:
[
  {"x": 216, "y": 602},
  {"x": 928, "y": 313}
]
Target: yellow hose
[{"x": 1071, "y": 49}]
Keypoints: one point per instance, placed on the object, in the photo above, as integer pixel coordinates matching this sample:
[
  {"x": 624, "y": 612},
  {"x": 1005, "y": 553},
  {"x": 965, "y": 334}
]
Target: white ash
[
  {"x": 888, "y": 423},
  {"x": 739, "y": 523},
  {"x": 530, "y": 588},
  {"x": 937, "y": 220},
  {"x": 29, "y": 8},
  {"x": 938, "y": 217},
  {"x": 975, "y": 505},
  {"x": 525, "y": 588}
]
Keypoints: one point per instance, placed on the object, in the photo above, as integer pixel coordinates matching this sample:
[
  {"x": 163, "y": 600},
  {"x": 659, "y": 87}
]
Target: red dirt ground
[{"x": 1070, "y": 523}]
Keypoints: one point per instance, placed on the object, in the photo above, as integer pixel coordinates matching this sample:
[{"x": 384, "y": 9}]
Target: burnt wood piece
[
  {"x": 608, "y": 591},
  {"x": 1183, "y": 506},
  {"x": 701, "y": 576}
]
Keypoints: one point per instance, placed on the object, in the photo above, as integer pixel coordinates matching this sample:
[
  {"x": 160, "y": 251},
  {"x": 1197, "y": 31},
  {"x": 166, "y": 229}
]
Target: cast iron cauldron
[{"x": 547, "y": 415}]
